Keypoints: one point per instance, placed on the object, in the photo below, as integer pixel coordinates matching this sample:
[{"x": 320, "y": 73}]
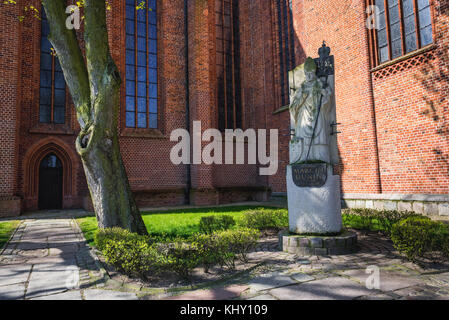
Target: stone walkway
[
  {"x": 48, "y": 258},
  {"x": 345, "y": 277}
]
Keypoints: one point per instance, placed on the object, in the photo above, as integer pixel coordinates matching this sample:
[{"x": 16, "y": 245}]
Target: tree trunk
[
  {"x": 99, "y": 148},
  {"x": 94, "y": 83},
  {"x": 106, "y": 176}
]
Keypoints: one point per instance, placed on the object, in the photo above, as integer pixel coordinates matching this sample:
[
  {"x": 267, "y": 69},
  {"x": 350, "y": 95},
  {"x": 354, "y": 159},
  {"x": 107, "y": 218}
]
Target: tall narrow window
[
  {"x": 229, "y": 97},
  {"x": 141, "y": 65},
  {"x": 286, "y": 45},
  {"x": 403, "y": 27},
  {"x": 52, "y": 93}
]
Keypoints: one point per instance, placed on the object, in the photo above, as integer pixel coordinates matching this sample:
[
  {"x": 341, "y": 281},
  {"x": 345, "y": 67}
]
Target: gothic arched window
[
  {"x": 141, "y": 65},
  {"x": 52, "y": 92}
]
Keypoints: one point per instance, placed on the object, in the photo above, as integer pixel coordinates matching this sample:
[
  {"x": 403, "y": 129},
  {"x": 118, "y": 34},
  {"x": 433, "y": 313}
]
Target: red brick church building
[{"x": 225, "y": 63}]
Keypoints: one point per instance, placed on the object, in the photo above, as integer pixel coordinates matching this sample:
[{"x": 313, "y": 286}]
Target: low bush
[
  {"x": 206, "y": 248},
  {"x": 263, "y": 219},
  {"x": 133, "y": 256},
  {"x": 139, "y": 256},
  {"x": 210, "y": 224},
  {"x": 239, "y": 242},
  {"x": 181, "y": 258},
  {"x": 418, "y": 237},
  {"x": 374, "y": 220},
  {"x": 224, "y": 247},
  {"x": 103, "y": 236}
]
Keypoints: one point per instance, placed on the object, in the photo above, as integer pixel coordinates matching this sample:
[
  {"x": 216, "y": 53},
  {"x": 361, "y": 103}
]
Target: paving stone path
[
  {"x": 47, "y": 258},
  {"x": 290, "y": 277}
]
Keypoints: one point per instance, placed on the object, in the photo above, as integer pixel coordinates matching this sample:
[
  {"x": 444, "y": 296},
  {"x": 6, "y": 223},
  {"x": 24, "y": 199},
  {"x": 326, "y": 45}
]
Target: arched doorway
[{"x": 50, "y": 183}]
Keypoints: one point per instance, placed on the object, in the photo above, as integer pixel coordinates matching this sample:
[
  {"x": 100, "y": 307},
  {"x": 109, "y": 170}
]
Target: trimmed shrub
[
  {"x": 210, "y": 224},
  {"x": 133, "y": 256},
  {"x": 102, "y": 236},
  {"x": 206, "y": 247},
  {"x": 418, "y": 237},
  {"x": 263, "y": 219},
  {"x": 239, "y": 242},
  {"x": 224, "y": 247},
  {"x": 374, "y": 220},
  {"x": 182, "y": 258},
  {"x": 137, "y": 255}
]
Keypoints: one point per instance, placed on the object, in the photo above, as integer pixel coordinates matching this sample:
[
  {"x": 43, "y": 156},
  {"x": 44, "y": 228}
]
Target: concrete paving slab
[
  {"x": 12, "y": 292},
  {"x": 269, "y": 281},
  {"x": 212, "y": 294},
  {"x": 388, "y": 281},
  {"x": 333, "y": 288},
  {"x": 13, "y": 274},
  {"x": 302, "y": 277},
  {"x": 66, "y": 296},
  {"x": 263, "y": 297},
  {"x": 96, "y": 294},
  {"x": 46, "y": 280},
  {"x": 64, "y": 250},
  {"x": 381, "y": 296},
  {"x": 54, "y": 260}
]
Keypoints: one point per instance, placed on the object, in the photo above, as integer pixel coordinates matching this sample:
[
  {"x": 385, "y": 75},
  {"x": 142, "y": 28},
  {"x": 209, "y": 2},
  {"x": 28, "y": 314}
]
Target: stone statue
[
  {"x": 310, "y": 110},
  {"x": 314, "y": 196}
]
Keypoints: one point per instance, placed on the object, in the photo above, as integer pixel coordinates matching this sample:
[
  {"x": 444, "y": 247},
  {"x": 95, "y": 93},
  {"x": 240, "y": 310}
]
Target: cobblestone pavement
[{"x": 48, "y": 258}]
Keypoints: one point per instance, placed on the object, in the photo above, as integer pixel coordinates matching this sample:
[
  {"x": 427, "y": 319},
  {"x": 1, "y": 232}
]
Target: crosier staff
[{"x": 327, "y": 70}]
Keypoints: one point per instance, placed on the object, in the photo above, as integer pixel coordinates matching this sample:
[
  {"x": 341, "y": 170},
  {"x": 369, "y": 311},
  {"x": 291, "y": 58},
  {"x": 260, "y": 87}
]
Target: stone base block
[
  {"x": 345, "y": 243},
  {"x": 314, "y": 210},
  {"x": 432, "y": 205}
]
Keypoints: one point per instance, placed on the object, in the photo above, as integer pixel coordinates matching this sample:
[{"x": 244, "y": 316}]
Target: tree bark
[
  {"x": 100, "y": 153},
  {"x": 94, "y": 84}
]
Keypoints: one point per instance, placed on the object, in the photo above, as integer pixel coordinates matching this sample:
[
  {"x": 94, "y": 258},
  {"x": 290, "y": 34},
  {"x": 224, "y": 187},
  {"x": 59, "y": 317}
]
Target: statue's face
[{"x": 310, "y": 76}]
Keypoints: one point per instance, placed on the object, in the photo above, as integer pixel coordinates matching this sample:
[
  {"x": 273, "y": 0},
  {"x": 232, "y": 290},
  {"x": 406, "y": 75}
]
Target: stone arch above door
[{"x": 32, "y": 161}]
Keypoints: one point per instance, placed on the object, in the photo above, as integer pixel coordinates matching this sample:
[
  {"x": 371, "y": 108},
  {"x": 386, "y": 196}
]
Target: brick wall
[
  {"x": 37, "y": 139},
  {"x": 394, "y": 126},
  {"x": 402, "y": 147},
  {"x": 155, "y": 180},
  {"x": 412, "y": 112},
  {"x": 9, "y": 117},
  {"x": 342, "y": 25}
]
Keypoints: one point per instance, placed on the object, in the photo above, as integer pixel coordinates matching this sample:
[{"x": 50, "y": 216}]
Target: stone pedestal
[
  {"x": 314, "y": 210},
  {"x": 345, "y": 243}
]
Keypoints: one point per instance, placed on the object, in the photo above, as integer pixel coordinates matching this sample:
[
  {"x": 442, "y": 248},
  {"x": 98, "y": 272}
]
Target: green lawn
[
  {"x": 362, "y": 223},
  {"x": 6, "y": 229},
  {"x": 169, "y": 224}
]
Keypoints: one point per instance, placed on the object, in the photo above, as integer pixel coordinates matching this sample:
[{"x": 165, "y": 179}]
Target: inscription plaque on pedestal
[{"x": 310, "y": 175}]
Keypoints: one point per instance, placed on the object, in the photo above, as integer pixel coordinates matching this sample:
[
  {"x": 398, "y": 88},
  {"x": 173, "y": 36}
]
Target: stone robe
[{"x": 304, "y": 110}]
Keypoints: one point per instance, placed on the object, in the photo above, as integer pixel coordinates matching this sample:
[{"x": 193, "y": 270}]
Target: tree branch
[
  {"x": 71, "y": 58},
  {"x": 103, "y": 73},
  {"x": 97, "y": 45}
]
